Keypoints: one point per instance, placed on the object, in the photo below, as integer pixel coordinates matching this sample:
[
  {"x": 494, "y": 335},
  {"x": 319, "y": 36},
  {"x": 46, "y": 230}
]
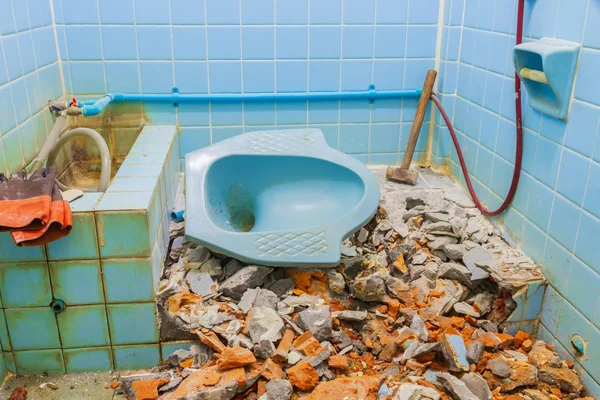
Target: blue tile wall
[
  {"x": 29, "y": 77},
  {"x": 554, "y": 217},
  {"x": 253, "y": 46}
]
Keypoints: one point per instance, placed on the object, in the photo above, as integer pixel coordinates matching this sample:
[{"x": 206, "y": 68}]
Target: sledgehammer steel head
[{"x": 401, "y": 175}]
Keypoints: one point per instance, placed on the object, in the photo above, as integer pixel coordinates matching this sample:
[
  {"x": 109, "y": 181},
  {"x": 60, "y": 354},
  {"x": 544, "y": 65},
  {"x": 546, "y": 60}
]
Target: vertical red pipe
[{"x": 519, "y": 147}]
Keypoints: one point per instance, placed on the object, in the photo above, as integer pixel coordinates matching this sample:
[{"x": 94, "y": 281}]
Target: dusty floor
[{"x": 75, "y": 386}]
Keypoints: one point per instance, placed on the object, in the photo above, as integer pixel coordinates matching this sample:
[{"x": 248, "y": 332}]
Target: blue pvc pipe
[
  {"x": 95, "y": 107},
  {"x": 177, "y": 216}
]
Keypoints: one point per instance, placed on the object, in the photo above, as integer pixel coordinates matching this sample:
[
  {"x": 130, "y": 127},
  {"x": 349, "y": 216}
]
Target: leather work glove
[
  {"x": 25, "y": 203},
  {"x": 59, "y": 224}
]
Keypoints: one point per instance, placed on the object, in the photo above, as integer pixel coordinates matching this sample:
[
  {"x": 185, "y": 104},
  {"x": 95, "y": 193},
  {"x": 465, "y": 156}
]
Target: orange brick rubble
[{"x": 303, "y": 376}]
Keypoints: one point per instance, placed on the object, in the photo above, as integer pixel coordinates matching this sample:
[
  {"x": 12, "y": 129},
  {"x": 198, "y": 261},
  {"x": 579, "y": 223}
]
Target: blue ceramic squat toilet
[{"x": 277, "y": 198}]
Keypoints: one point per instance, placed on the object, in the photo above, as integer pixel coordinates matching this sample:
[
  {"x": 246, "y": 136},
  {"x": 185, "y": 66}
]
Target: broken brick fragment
[
  {"x": 234, "y": 357},
  {"x": 356, "y": 387},
  {"x": 147, "y": 389},
  {"x": 520, "y": 337},
  {"x": 187, "y": 363},
  {"x": 283, "y": 348},
  {"x": 182, "y": 299},
  {"x": 527, "y": 345},
  {"x": 272, "y": 370},
  {"x": 338, "y": 362},
  {"x": 303, "y": 376},
  {"x": 237, "y": 374},
  {"x": 212, "y": 379},
  {"x": 260, "y": 388},
  {"x": 307, "y": 344},
  {"x": 210, "y": 339},
  {"x": 20, "y": 393}
]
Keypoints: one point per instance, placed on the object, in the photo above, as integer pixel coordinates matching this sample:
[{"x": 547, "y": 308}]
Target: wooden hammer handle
[{"x": 419, "y": 118}]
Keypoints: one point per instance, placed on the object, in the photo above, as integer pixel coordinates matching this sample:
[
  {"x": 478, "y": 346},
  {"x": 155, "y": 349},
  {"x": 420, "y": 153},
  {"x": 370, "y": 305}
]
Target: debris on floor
[{"x": 417, "y": 309}]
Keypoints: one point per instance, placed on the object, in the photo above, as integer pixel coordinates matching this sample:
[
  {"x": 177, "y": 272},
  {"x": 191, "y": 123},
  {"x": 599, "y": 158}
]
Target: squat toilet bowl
[{"x": 277, "y": 198}]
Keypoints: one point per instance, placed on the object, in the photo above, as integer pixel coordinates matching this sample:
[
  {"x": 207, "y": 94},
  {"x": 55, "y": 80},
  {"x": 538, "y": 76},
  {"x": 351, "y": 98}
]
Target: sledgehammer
[{"x": 404, "y": 174}]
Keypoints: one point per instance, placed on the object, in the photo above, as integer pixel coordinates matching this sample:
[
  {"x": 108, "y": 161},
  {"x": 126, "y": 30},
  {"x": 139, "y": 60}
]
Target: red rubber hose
[{"x": 519, "y": 147}]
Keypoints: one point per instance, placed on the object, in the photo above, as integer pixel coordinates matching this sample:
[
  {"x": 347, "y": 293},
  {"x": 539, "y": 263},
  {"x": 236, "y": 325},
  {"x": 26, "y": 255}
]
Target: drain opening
[
  {"x": 243, "y": 221},
  {"x": 58, "y": 306}
]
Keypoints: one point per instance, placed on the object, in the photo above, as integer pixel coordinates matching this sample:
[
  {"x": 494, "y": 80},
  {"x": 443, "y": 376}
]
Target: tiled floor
[{"x": 72, "y": 386}]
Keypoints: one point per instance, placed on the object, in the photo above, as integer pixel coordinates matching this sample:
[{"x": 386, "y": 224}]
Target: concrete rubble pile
[{"x": 415, "y": 310}]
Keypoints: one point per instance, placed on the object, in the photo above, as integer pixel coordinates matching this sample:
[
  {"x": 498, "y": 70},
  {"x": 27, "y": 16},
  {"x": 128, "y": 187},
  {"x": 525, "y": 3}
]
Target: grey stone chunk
[
  {"x": 303, "y": 300},
  {"x": 171, "y": 327},
  {"x": 226, "y": 392},
  {"x": 350, "y": 315},
  {"x": 264, "y": 324},
  {"x": 475, "y": 257},
  {"x": 231, "y": 268},
  {"x": 247, "y": 300},
  {"x": 324, "y": 372},
  {"x": 202, "y": 352},
  {"x": 419, "y": 258},
  {"x": 349, "y": 251},
  {"x": 369, "y": 287},
  {"x": 391, "y": 371},
  {"x": 178, "y": 356},
  {"x": 336, "y": 281},
  {"x": 172, "y": 384},
  {"x": 459, "y": 272},
  {"x": 417, "y": 349},
  {"x": 212, "y": 267},
  {"x": 281, "y": 286},
  {"x": 400, "y": 226},
  {"x": 535, "y": 394},
  {"x": 477, "y": 385},
  {"x": 293, "y": 357},
  {"x": 212, "y": 317},
  {"x": 431, "y": 271},
  {"x": 465, "y": 308},
  {"x": 200, "y": 283},
  {"x": 264, "y": 349},
  {"x": 452, "y": 294},
  {"x": 279, "y": 389},
  {"x": 127, "y": 381},
  {"x": 341, "y": 339},
  {"x": 484, "y": 302},
  {"x": 319, "y": 358},
  {"x": 317, "y": 320},
  {"x": 442, "y": 241},
  {"x": 415, "y": 271},
  {"x": 475, "y": 352},
  {"x": 246, "y": 278},
  {"x": 199, "y": 254},
  {"x": 457, "y": 388},
  {"x": 455, "y": 352},
  {"x": 437, "y": 217},
  {"x": 488, "y": 326},
  {"x": 362, "y": 236},
  {"x": 352, "y": 266},
  {"x": 396, "y": 287},
  {"x": 455, "y": 251},
  {"x": 515, "y": 355},
  {"x": 410, "y": 391},
  {"x": 266, "y": 298},
  {"x": 499, "y": 367},
  {"x": 418, "y": 327}
]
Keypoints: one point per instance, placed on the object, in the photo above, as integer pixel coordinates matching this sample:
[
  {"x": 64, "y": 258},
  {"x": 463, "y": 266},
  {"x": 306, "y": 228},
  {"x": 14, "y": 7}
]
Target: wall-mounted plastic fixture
[
  {"x": 58, "y": 306},
  {"x": 547, "y": 68},
  {"x": 578, "y": 345}
]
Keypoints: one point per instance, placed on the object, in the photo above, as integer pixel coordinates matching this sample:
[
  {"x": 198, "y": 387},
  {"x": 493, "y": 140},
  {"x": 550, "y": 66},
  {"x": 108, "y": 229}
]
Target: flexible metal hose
[
  {"x": 104, "y": 156},
  {"x": 519, "y": 147}
]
